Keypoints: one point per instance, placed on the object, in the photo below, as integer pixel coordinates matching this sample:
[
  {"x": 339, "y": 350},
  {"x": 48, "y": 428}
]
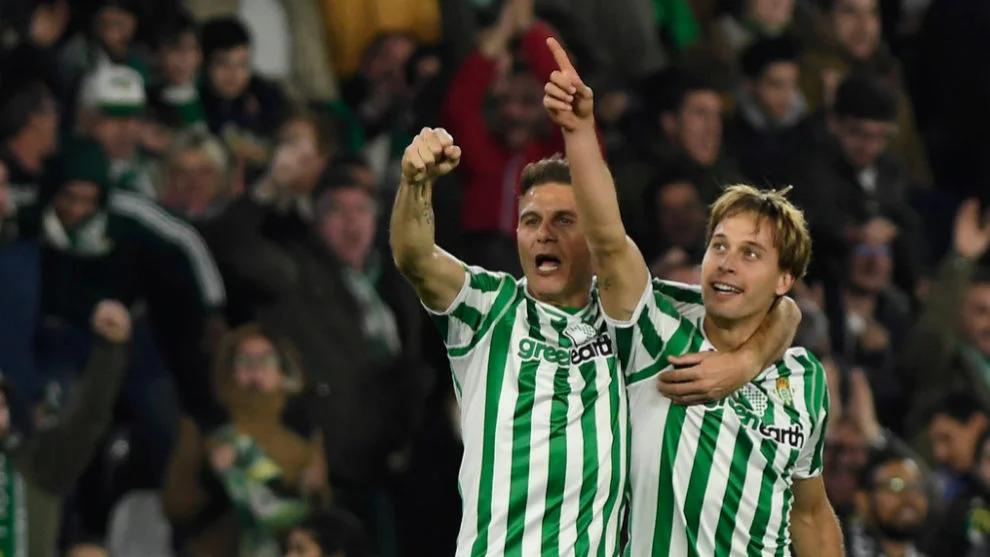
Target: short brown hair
[
  {"x": 551, "y": 170},
  {"x": 790, "y": 230}
]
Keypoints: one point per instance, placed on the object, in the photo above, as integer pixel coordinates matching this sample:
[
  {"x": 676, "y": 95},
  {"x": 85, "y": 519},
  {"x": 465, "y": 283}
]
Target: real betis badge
[{"x": 784, "y": 391}]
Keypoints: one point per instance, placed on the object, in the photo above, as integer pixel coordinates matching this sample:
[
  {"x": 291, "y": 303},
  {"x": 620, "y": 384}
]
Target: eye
[
  {"x": 565, "y": 220},
  {"x": 750, "y": 254},
  {"x": 717, "y": 246}
]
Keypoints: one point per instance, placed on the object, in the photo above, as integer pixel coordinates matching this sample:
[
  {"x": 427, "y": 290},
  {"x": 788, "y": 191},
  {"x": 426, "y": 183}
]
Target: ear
[
  {"x": 978, "y": 422},
  {"x": 668, "y": 123},
  {"x": 784, "y": 283}
]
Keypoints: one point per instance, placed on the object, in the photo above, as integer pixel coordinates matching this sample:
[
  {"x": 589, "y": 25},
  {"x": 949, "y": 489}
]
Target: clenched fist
[
  {"x": 431, "y": 154},
  {"x": 112, "y": 321},
  {"x": 569, "y": 102}
]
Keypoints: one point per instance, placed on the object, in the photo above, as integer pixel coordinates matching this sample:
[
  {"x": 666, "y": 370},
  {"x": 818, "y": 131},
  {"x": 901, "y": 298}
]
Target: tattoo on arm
[
  {"x": 426, "y": 215},
  {"x": 606, "y": 283}
]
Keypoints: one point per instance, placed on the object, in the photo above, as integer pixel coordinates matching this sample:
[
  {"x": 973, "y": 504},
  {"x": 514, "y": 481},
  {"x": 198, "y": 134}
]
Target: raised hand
[
  {"x": 431, "y": 154},
  {"x": 112, "y": 321},
  {"x": 971, "y": 237},
  {"x": 569, "y": 102}
]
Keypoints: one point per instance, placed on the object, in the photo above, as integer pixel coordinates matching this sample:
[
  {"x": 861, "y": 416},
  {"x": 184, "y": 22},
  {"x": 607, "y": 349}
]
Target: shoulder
[{"x": 684, "y": 299}]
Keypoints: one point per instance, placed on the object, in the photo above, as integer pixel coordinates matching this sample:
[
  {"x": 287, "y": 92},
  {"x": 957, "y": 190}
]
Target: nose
[
  {"x": 726, "y": 263},
  {"x": 545, "y": 232}
]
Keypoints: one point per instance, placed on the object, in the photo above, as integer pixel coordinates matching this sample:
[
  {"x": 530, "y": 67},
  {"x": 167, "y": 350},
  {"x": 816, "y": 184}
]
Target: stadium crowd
[{"x": 206, "y": 348}]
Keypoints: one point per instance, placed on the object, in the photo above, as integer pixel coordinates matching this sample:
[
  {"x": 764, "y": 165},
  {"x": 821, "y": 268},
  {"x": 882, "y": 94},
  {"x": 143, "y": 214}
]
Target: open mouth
[
  {"x": 547, "y": 263},
  {"x": 726, "y": 288}
]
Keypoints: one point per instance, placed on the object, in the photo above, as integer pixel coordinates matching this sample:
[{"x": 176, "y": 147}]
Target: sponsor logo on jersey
[
  {"x": 792, "y": 435},
  {"x": 580, "y": 333},
  {"x": 599, "y": 347}
]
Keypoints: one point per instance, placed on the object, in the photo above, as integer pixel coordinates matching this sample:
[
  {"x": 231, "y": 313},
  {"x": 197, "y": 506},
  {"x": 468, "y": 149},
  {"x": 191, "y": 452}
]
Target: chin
[{"x": 547, "y": 286}]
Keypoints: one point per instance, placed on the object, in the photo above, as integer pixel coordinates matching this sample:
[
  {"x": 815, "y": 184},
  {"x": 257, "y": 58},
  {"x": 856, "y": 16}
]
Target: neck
[
  {"x": 894, "y": 548},
  {"x": 562, "y": 300},
  {"x": 728, "y": 335},
  {"x": 29, "y": 157}
]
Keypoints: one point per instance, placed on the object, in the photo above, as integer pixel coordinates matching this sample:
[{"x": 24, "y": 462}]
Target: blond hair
[{"x": 789, "y": 227}]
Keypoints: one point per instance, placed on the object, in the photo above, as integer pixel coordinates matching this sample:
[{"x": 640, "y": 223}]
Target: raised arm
[
  {"x": 436, "y": 275},
  {"x": 622, "y": 272}
]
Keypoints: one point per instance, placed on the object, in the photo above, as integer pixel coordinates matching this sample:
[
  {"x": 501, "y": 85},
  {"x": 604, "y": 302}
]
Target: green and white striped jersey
[
  {"x": 544, "y": 422},
  {"x": 713, "y": 480}
]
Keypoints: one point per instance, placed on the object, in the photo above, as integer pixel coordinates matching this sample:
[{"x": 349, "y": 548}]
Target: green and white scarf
[
  {"x": 254, "y": 484},
  {"x": 379, "y": 323},
  {"x": 13, "y": 511},
  {"x": 90, "y": 238}
]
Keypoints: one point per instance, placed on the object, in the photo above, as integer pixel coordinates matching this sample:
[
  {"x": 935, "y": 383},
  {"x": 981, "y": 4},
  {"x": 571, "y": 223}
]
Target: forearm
[
  {"x": 436, "y": 275},
  {"x": 774, "y": 336},
  {"x": 816, "y": 533},
  {"x": 594, "y": 192},
  {"x": 412, "y": 234}
]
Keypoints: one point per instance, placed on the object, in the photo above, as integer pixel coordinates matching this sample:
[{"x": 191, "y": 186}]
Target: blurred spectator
[
  {"x": 689, "y": 118},
  {"x": 353, "y": 25},
  {"x": 371, "y": 382},
  {"x": 891, "y": 507},
  {"x": 855, "y": 46},
  {"x": 243, "y": 109},
  {"x": 852, "y": 190},
  {"x": 845, "y": 457},
  {"x": 382, "y": 94},
  {"x": 199, "y": 176},
  {"x": 113, "y": 109},
  {"x": 107, "y": 41},
  {"x": 329, "y": 533},
  {"x": 955, "y": 426},
  {"x": 34, "y": 56},
  {"x": 180, "y": 60},
  {"x": 869, "y": 317},
  {"x": 965, "y": 527},
  {"x": 770, "y": 119},
  {"x": 675, "y": 220},
  {"x": 750, "y": 21},
  {"x": 947, "y": 350},
  {"x": 496, "y": 152},
  {"x": 41, "y": 461},
  {"x": 236, "y": 487}
]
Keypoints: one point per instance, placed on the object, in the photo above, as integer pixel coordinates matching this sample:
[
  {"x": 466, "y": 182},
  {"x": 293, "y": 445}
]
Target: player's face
[
  {"x": 740, "y": 274},
  {"x": 552, "y": 249},
  {"x": 899, "y": 503}
]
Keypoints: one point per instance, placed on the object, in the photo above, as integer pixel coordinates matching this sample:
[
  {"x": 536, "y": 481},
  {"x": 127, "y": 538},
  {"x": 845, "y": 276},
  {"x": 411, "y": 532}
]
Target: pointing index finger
[{"x": 560, "y": 56}]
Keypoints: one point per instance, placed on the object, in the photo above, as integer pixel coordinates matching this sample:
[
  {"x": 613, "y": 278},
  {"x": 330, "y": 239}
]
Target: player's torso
[
  {"x": 715, "y": 479},
  {"x": 545, "y": 431}
]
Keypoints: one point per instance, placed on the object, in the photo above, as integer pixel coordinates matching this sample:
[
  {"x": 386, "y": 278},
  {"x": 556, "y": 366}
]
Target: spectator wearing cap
[
  {"x": 113, "y": 109},
  {"x": 107, "y": 40},
  {"x": 770, "y": 117},
  {"x": 41, "y": 462},
  {"x": 243, "y": 109},
  {"x": 180, "y": 58},
  {"x": 852, "y": 189}
]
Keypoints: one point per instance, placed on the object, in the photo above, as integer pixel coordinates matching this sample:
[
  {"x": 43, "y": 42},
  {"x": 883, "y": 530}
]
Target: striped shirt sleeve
[
  {"x": 481, "y": 299},
  {"x": 816, "y": 401},
  {"x": 655, "y": 330}
]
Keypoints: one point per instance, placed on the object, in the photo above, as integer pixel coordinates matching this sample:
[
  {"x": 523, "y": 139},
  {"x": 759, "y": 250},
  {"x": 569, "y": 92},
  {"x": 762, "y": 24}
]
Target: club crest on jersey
[
  {"x": 580, "y": 333},
  {"x": 784, "y": 391}
]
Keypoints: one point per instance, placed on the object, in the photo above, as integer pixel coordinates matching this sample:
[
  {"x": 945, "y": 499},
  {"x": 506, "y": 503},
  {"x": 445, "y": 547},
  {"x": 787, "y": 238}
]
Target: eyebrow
[
  {"x": 555, "y": 214},
  {"x": 747, "y": 243}
]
